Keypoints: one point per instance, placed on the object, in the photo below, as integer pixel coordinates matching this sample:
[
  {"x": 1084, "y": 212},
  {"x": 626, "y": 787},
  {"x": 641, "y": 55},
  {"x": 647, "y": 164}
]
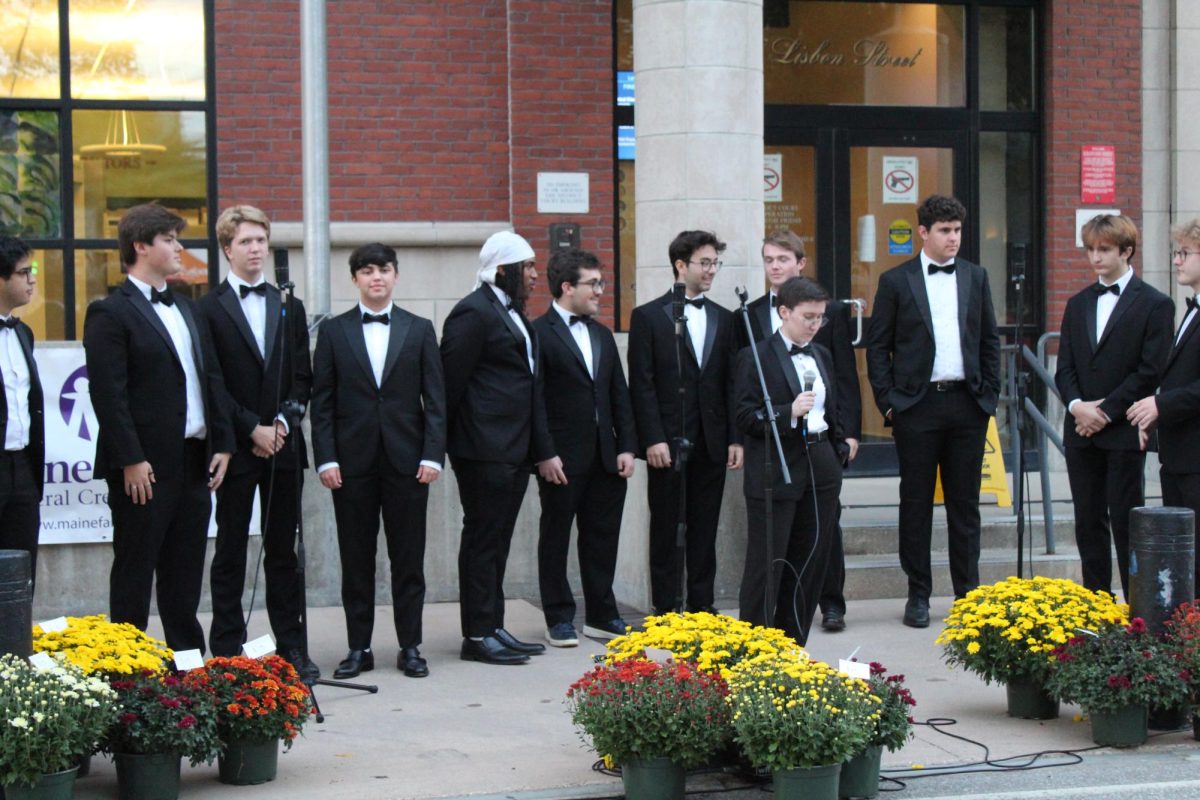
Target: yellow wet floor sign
[{"x": 994, "y": 478}]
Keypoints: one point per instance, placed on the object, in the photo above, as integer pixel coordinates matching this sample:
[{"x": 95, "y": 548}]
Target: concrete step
[
  {"x": 875, "y": 576},
  {"x": 995, "y": 534}
]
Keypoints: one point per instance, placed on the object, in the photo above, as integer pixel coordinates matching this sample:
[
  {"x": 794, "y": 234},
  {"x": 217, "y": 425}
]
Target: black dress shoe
[
  {"x": 916, "y": 612},
  {"x": 833, "y": 621},
  {"x": 517, "y": 646},
  {"x": 411, "y": 663},
  {"x": 309, "y": 672},
  {"x": 356, "y": 661},
  {"x": 489, "y": 650}
]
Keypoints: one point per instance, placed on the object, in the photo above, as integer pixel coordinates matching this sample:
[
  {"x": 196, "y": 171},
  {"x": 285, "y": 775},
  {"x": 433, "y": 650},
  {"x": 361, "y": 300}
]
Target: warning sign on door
[
  {"x": 773, "y": 177},
  {"x": 900, "y": 238},
  {"x": 900, "y": 179}
]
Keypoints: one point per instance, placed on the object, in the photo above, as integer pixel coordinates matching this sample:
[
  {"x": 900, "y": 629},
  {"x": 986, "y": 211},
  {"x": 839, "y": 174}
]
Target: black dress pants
[
  {"x": 1105, "y": 486},
  {"x": 594, "y": 501},
  {"x": 1182, "y": 489},
  {"x": 20, "y": 506},
  {"x": 227, "y": 575},
  {"x": 160, "y": 546}
]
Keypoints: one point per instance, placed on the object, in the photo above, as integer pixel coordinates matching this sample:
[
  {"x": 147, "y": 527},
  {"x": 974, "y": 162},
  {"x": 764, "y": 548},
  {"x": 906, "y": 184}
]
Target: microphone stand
[
  {"x": 294, "y": 410},
  {"x": 683, "y": 447},
  {"x": 769, "y": 415},
  {"x": 1018, "y": 281}
]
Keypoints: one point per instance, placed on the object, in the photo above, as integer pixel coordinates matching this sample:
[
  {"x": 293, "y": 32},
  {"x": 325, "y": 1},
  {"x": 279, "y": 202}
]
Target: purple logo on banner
[{"x": 75, "y": 405}]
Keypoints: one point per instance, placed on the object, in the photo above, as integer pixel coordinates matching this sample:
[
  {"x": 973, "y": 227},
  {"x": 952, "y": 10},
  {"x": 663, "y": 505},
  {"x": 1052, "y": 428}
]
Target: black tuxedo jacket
[
  {"x": 783, "y": 385},
  {"x": 490, "y": 393},
  {"x": 654, "y": 379},
  {"x": 583, "y": 412},
  {"x": 353, "y": 418},
  {"x": 1179, "y": 405},
  {"x": 900, "y": 342},
  {"x": 834, "y": 337},
  {"x": 253, "y": 380},
  {"x": 1121, "y": 367},
  {"x": 138, "y": 387},
  {"x": 37, "y": 420}
]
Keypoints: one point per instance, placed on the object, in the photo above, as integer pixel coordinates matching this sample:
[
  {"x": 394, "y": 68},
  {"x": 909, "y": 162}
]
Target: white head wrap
[{"x": 501, "y": 248}]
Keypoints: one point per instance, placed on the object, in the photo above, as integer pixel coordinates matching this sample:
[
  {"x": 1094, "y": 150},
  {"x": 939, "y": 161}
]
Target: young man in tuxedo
[
  {"x": 264, "y": 359},
  {"x": 490, "y": 353},
  {"x": 1175, "y": 410},
  {"x": 933, "y": 356},
  {"x": 590, "y": 420},
  {"x": 1116, "y": 335},
  {"x": 21, "y": 421},
  {"x": 803, "y": 391},
  {"x": 783, "y": 259},
  {"x": 379, "y": 439},
  {"x": 165, "y": 436},
  {"x": 708, "y": 352}
]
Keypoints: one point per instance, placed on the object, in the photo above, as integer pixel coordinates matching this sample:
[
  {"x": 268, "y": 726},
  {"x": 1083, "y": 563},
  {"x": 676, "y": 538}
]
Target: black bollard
[
  {"x": 1162, "y": 569},
  {"x": 16, "y": 603},
  {"x": 1162, "y": 562}
]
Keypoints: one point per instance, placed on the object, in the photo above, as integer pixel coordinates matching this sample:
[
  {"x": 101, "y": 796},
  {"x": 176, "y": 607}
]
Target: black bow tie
[
  {"x": 1191, "y": 303},
  {"x": 798, "y": 350},
  {"x": 10, "y": 323},
  {"x": 577, "y": 318},
  {"x": 384, "y": 319},
  {"x": 165, "y": 297},
  {"x": 774, "y": 301},
  {"x": 1101, "y": 289},
  {"x": 260, "y": 289},
  {"x": 698, "y": 302},
  {"x": 946, "y": 268}
]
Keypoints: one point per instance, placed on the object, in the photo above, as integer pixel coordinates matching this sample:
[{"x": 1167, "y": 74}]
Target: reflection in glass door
[{"x": 886, "y": 185}]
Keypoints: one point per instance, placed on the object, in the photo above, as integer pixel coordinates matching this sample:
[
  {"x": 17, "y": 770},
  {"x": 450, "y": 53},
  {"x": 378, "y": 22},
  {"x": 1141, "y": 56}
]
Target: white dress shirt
[
  {"x": 1106, "y": 302},
  {"x": 803, "y": 364},
  {"x": 254, "y": 306},
  {"x": 1183, "y": 326},
  {"x": 776, "y": 320},
  {"x": 172, "y": 318},
  {"x": 579, "y": 332},
  {"x": 512, "y": 312},
  {"x": 16, "y": 389},
  {"x": 697, "y": 327},
  {"x": 942, "y": 290}
]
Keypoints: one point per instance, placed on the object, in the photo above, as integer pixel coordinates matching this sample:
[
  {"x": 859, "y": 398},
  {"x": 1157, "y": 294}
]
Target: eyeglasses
[
  {"x": 707, "y": 264},
  {"x": 26, "y": 273},
  {"x": 820, "y": 320},
  {"x": 1183, "y": 255},
  {"x": 595, "y": 284}
]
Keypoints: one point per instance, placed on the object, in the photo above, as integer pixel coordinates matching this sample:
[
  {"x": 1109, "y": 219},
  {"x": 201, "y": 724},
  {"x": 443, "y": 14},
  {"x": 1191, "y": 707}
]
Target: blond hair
[{"x": 227, "y": 223}]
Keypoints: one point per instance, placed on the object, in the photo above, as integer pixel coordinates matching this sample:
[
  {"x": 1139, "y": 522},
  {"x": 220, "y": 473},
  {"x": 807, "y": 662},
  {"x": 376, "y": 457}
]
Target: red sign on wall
[{"x": 1098, "y": 173}]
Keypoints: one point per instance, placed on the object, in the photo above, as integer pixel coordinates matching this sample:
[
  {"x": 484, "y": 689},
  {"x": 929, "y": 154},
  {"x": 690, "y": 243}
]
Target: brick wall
[
  {"x": 419, "y": 111},
  {"x": 1093, "y": 85}
]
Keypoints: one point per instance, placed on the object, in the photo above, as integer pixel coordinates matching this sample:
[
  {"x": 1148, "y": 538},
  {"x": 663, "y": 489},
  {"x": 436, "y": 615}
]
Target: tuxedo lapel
[
  {"x": 563, "y": 332},
  {"x": 787, "y": 365},
  {"x": 762, "y": 315},
  {"x": 916, "y": 284},
  {"x": 668, "y": 309},
  {"x": 233, "y": 307},
  {"x": 143, "y": 307},
  {"x": 352, "y": 329},
  {"x": 1089, "y": 319},
  {"x": 597, "y": 347},
  {"x": 197, "y": 352},
  {"x": 962, "y": 282},
  {"x": 397, "y": 333},
  {"x": 1183, "y": 340},
  {"x": 26, "y": 340},
  {"x": 1126, "y": 299},
  {"x": 273, "y": 307},
  {"x": 710, "y": 331},
  {"x": 510, "y": 323}
]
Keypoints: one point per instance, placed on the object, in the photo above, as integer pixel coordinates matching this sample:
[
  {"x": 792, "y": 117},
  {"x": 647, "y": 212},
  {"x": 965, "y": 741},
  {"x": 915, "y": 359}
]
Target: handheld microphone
[
  {"x": 810, "y": 378},
  {"x": 677, "y": 300},
  {"x": 281, "y": 269},
  {"x": 741, "y": 293}
]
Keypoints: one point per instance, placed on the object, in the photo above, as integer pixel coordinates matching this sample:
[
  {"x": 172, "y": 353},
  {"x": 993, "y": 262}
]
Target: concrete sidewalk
[{"x": 503, "y": 732}]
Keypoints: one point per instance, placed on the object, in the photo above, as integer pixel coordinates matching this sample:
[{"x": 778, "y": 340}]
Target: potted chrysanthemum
[
  {"x": 1116, "y": 675},
  {"x": 801, "y": 718},
  {"x": 653, "y": 719},
  {"x": 51, "y": 718},
  {"x": 1183, "y": 638},
  {"x": 860, "y": 775},
  {"x": 97, "y": 645},
  {"x": 1006, "y": 632}
]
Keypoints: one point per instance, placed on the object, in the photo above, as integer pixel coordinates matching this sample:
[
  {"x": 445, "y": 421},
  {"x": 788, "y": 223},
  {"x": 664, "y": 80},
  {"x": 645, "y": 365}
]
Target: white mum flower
[{"x": 19, "y": 722}]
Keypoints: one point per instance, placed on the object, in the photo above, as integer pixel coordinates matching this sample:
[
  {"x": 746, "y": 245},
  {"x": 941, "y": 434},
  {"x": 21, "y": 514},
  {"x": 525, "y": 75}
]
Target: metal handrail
[{"x": 1046, "y": 432}]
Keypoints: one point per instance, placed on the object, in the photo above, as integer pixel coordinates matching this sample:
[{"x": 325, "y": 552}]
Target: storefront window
[
  {"x": 1006, "y": 59},
  {"x": 45, "y": 313},
  {"x": 30, "y": 174},
  {"x": 875, "y": 54},
  {"x": 123, "y": 158},
  {"x": 149, "y": 50},
  {"x": 29, "y": 62},
  {"x": 1006, "y": 203}
]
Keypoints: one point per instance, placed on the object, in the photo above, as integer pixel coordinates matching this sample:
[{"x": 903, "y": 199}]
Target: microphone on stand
[
  {"x": 677, "y": 301},
  {"x": 810, "y": 378},
  {"x": 282, "y": 278}
]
